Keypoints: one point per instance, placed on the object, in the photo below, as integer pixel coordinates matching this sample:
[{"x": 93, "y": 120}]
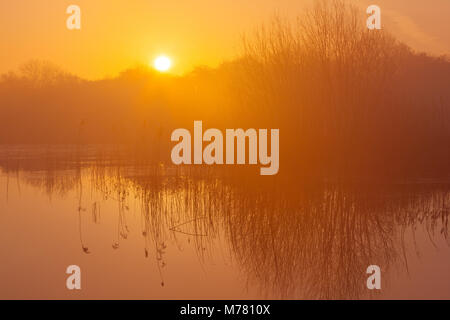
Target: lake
[{"x": 141, "y": 230}]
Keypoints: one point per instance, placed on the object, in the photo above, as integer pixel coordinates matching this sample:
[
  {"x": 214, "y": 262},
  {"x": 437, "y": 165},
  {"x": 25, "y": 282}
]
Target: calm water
[{"x": 153, "y": 231}]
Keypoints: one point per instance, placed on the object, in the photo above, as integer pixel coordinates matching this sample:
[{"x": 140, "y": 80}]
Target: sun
[{"x": 162, "y": 63}]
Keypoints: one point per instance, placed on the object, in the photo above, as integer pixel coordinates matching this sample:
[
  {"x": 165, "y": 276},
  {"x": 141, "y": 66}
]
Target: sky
[{"x": 116, "y": 35}]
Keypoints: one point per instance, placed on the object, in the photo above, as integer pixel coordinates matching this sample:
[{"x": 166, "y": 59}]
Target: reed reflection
[{"x": 290, "y": 239}]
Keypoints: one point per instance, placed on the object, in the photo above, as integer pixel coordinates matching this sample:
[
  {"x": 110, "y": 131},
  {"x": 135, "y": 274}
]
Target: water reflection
[{"x": 290, "y": 239}]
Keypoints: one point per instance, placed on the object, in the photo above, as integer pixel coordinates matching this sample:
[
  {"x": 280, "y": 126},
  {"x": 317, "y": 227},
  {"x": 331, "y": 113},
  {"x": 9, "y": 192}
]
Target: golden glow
[
  {"x": 204, "y": 34},
  {"x": 162, "y": 63}
]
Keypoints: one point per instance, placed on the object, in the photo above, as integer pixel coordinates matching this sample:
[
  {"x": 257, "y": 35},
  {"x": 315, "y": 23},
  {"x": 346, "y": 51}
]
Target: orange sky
[{"x": 119, "y": 34}]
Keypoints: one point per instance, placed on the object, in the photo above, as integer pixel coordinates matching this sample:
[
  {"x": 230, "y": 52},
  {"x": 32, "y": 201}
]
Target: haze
[{"x": 119, "y": 34}]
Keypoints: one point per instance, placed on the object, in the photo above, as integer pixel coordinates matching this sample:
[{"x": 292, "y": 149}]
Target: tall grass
[{"x": 349, "y": 102}]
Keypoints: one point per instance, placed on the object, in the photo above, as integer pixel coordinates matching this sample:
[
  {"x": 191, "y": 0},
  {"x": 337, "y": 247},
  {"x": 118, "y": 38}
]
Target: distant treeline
[{"x": 348, "y": 101}]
